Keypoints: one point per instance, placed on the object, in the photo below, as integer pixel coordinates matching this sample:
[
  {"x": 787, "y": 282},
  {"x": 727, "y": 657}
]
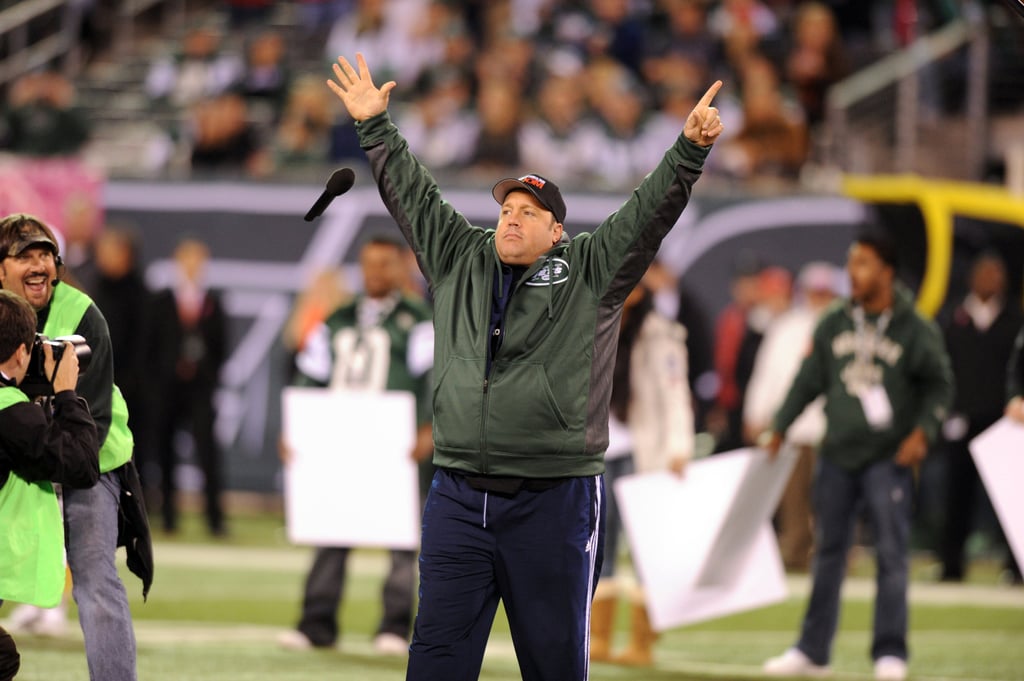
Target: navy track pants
[{"x": 539, "y": 552}]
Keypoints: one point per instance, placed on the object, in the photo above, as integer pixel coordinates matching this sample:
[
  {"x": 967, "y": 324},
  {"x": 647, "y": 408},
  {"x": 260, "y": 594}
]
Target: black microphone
[{"x": 340, "y": 182}]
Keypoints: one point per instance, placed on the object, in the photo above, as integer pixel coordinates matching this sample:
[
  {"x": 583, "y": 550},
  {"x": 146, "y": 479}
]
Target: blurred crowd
[{"x": 589, "y": 91}]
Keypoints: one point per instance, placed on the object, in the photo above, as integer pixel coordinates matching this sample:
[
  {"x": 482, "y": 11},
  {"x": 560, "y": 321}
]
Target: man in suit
[{"x": 188, "y": 346}]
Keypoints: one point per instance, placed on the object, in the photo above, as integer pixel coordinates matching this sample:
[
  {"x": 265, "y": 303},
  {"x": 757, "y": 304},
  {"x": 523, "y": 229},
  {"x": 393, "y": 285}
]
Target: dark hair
[
  {"x": 882, "y": 243},
  {"x": 17, "y": 324},
  {"x": 633, "y": 321},
  {"x": 384, "y": 239}
]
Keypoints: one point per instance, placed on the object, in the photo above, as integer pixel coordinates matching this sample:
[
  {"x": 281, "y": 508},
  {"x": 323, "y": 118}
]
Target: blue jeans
[
  {"x": 884, "y": 491},
  {"x": 613, "y": 470},
  {"x": 91, "y": 517}
]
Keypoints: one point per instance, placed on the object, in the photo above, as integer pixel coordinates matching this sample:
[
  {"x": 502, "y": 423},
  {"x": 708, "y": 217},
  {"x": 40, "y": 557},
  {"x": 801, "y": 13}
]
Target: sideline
[{"x": 375, "y": 562}]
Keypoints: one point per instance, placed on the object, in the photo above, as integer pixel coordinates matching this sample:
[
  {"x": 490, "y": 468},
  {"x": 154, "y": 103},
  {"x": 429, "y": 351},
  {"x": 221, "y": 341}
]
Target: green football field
[{"x": 216, "y": 609}]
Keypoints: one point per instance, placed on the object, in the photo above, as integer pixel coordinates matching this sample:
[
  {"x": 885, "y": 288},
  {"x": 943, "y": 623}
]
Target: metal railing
[
  {"x": 129, "y": 11},
  {"x": 922, "y": 109},
  {"x": 31, "y": 42},
  {"x": 30, "y": 46}
]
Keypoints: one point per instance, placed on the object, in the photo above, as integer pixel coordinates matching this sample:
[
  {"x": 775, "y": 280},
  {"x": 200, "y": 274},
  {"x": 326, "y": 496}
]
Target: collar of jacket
[{"x": 543, "y": 261}]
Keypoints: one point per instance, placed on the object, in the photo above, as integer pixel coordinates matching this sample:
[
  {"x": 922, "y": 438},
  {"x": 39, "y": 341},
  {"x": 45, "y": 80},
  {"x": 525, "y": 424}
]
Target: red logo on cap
[{"x": 534, "y": 180}]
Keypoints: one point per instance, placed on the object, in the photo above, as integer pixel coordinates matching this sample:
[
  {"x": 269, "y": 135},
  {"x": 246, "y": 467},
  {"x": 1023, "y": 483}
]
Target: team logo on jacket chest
[{"x": 554, "y": 272}]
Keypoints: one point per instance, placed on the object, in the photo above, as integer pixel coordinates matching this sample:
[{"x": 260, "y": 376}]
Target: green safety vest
[
  {"x": 67, "y": 307},
  {"x": 31, "y": 535}
]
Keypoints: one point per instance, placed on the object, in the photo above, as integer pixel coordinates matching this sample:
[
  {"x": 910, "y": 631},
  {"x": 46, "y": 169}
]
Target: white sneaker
[
  {"x": 23, "y": 618},
  {"x": 390, "y": 644},
  {"x": 794, "y": 663},
  {"x": 890, "y": 668},
  {"x": 52, "y": 622},
  {"x": 294, "y": 640}
]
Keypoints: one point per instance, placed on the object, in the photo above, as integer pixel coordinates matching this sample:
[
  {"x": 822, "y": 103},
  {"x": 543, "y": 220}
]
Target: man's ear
[
  {"x": 22, "y": 355},
  {"x": 557, "y": 233}
]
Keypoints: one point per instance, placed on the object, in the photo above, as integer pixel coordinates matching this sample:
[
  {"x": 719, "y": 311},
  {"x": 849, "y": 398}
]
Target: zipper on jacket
[{"x": 483, "y": 425}]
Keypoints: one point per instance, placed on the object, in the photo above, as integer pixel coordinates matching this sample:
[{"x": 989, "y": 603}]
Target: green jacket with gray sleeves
[
  {"x": 908, "y": 358},
  {"x": 543, "y": 410}
]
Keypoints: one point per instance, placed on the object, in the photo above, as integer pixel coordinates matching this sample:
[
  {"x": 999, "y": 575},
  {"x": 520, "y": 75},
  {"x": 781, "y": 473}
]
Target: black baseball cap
[
  {"x": 542, "y": 189},
  {"x": 21, "y": 231}
]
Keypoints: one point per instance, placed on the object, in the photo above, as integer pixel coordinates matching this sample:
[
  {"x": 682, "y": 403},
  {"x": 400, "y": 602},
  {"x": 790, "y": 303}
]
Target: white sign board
[
  {"x": 703, "y": 544},
  {"x": 999, "y": 457},
  {"x": 350, "y": 479}
]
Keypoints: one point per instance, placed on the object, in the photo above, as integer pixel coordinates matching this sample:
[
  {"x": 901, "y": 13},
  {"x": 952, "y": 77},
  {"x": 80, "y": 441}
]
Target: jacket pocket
[
  {"x": 523, "y": 414},
  {"x": 458, "y": 398}
]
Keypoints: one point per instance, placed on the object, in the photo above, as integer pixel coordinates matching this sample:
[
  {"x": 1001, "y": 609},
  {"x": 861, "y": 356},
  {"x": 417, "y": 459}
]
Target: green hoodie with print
[
  {"x": 542, "y": 411},
  {"x": 902, "y": 351}
]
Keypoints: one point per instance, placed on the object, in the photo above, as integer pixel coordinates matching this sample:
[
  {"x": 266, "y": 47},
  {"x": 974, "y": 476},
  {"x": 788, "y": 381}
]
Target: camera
[{"x": 36, "y": 383}]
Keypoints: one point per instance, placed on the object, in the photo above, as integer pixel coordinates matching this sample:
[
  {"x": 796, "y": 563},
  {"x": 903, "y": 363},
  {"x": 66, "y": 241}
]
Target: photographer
[
  {"x": 103, "y": 517},
  {"x": 36, "y": 448}
]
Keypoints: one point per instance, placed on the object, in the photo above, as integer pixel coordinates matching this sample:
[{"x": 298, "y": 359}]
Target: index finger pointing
[{"x": 710, "y": 94}]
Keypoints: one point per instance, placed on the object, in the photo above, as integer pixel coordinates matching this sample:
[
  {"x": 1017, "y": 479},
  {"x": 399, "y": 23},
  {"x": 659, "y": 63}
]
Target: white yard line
[{"x": 375, "y": 562}]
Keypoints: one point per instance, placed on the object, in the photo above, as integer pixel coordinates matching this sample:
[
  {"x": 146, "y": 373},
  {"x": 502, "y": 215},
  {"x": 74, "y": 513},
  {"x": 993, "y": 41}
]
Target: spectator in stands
[
  {"x": 745, "y": 28},
  {"x": 438, "y": 37},
  {"x": 187, "y": 351},
  {"x": 509, "y": 59},
  {"x": 684, "y": 33},
  {"x": 377, "y": 30},
  {"x": 674, "y": 84},
  {"x": 602, "y": 29},
  {"x": 222, "y": 138},
  {"x": 499, "y": 111},
  {"x": 245, "y": 13},
  {"x": 772, "y": 140},
  {"x": 439, "y": 124},
  {"x": 979, "y": 338},
  {"x": 303, "y": 135},
  {"x": 41, "y": 118},
  {"x": 316, "y": 18},
  {"x": 199, "y": 71},
  {"x": 778, "y": 359},
  {"x": 266, "y": 79},
  {"x": 816, "y": 58},
  {"x": 559, "y": 136},
  {"x": 628, "y": 148}
]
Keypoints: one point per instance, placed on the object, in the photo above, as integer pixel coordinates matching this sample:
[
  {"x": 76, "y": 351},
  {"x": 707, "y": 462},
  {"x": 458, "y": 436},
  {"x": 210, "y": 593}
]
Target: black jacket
[{"x": 62, "y": 448}]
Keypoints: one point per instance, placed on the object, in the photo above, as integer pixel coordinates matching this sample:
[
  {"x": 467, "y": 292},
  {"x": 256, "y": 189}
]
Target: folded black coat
[{"x": 133, "y": 527}]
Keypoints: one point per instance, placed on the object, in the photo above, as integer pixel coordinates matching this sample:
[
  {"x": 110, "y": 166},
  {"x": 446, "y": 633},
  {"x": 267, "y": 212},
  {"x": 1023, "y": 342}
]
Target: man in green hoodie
[
  {"x": 887, "y": 382},
  {"x": 526, "y": 322}
]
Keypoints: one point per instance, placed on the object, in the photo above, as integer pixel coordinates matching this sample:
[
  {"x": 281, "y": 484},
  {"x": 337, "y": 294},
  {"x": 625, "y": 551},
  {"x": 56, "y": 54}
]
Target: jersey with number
[{"x": 371, "y": 344}]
